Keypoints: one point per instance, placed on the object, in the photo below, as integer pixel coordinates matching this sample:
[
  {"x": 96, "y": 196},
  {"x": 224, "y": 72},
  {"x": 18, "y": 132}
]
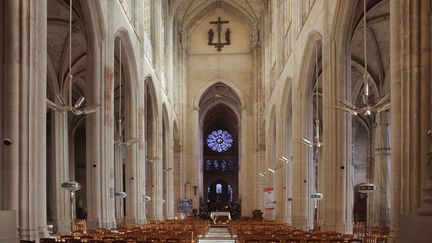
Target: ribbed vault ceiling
[{"x": 189, "y": 11}]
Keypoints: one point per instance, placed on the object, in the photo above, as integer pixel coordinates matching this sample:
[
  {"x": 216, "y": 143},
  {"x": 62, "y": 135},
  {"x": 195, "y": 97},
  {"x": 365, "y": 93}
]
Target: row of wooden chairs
[
  {"x": 235, "y": 226},
  {"x": 167, "y": 231},
  {"x": 270, "y": 232},
  {"x": 294, "y": 239}
]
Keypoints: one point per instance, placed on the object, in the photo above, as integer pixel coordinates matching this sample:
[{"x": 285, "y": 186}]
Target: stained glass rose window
[{"x": 219, "y": 140}]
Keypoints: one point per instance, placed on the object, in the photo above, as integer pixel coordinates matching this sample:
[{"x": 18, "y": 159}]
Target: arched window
[
  {"x": 219, "y": 188},
  {"x": 230, "y": 193}
]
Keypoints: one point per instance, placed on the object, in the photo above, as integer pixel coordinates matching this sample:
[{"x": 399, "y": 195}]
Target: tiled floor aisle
[{"x": 217, "y": 235}]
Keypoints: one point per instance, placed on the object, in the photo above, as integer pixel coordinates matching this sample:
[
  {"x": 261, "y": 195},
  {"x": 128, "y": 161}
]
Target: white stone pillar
[
  {"x": 100, "y": 134},
  {"x": 118, "y": 179},
  {"x": 62, "y": 170},
  {"x": 169, "y": 180},
  {"x": 25, "y": 115},
  {"x": 410, "y": 55},
  {"x": 132, "y": 173},
  {"x": 379, "y": 201},
  {"x": 281, "y": 177},
  {"x": 141, "y": 162},
  {"x": 157, "y": 168},
  {"x": 335, "y": 168},
  {"x": 2, "y": 56},
  {"x": 301, "y": 178},
  {"x": 158, "y": 39},
  {"x": 252, "y": 165}
]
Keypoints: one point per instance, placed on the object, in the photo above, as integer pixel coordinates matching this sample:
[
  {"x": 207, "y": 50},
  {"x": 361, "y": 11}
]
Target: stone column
[
  {"x": 269, "y": 163},
  {"x": 379, "y": 201},
  {"x": 132, "y": 199},
  {"x": 300, "y": 217},
  {"x": 62, "y": 170},
  {"x": 157, "y": 167},
  {"x": 1, "y": 99},
  {"x": 131, "y": 173},
  {"x": 282, "y": 175},
  {"x": 25, "y": 115},
  {"x": 129, "y": 152},
  {"x": 169, "y": 200},
  {"x": 141, "y": 161},
  {"x": 118, "y": 179},
  {"x": 335, "y": 168},
  {"x": 158, "y": 39},
  {"x": 100, "y": 134},
  {"x": 410, "y": 55},
  {"x": 250, "y": 166}
]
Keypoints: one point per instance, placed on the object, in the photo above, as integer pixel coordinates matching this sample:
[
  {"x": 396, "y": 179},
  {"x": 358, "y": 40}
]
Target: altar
[{"x": 223, "y": 217}]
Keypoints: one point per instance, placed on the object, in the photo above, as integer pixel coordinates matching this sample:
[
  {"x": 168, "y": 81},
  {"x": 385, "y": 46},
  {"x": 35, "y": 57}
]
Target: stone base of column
[
  {"x": 63, "y": 226},
  {"x": 136, "y": 220},
  {"x": 141, "y": 220},
  {"x": 108, "y": 223},
  {"x": 301, "y": 223},
  {"x": 344, "y": 228},
  {"x": 426, "y": 210},
  {"x": 28, "y": 234},
  {"x": 269, "y": 214},
  {"x": 43, "y": 232},
  {"x": 282, "y": 218},
  {"x": 415, "y": 228},
  {"x": 93, "y": 223},
  {"x": 8, "y": 227}
]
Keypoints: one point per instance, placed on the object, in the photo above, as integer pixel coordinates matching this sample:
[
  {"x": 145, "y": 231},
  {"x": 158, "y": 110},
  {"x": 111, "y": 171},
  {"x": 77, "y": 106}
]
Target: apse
[{"x": 219, "y": 107}]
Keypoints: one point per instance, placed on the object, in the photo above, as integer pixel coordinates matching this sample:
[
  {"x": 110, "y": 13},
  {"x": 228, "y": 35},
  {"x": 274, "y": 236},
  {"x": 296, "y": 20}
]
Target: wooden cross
[{"x": 219, "y": 44}]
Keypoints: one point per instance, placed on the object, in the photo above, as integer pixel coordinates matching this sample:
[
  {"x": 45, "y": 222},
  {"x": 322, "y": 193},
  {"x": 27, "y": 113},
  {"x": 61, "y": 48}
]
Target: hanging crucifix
[{"x": 219, "y": 44}]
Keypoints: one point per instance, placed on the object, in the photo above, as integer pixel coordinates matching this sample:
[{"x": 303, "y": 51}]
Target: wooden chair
[
  {"x": 292, "y": 240},
  {"x": 152, "y": 240},
  {"x": 47, "y": 240},
  {"x": 71, "y": 240},
  {"x": 355, "y": 241},
  {"x": 27, "y": 241},
  {"x": 172, "y": 240},
  {"x": 336, "y": 240},
  {"x": 109, "y": 238},
  {"x": 381, "y": 239},
  {"x": 251, "y": 241},
  {"x": 97, "y": 241},
  {"x": 86, "y": 238},
  {"x": 131, "y": 238},
  {"x": 370, "y": 239},
  {"x": 118, "y": 241},
  {"x": 273, "y": 241}
]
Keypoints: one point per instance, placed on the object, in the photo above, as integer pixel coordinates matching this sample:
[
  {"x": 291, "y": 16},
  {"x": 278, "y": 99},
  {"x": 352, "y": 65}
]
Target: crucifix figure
[{"x": 219, "y": 44}]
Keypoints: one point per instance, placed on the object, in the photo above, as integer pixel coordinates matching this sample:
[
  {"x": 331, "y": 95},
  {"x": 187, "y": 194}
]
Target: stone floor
[{"x": 217, "y": 234}]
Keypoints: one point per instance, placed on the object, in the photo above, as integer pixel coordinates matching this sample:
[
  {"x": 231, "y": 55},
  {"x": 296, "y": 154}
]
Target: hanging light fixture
[
  {"x": 316, "y": 143},
  {"x": 121, "y": 139},
  {"x": 368, "y": 108},
  {"x": 61, "y": 105}
]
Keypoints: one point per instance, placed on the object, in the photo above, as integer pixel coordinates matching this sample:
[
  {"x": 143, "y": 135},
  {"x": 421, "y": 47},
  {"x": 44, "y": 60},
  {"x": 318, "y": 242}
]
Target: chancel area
[{"x": 279, "y": 121}]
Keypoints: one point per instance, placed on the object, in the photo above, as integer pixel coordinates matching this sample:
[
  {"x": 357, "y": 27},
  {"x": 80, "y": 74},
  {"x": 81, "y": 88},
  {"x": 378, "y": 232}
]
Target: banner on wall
[{"x": 269, "y": 198}]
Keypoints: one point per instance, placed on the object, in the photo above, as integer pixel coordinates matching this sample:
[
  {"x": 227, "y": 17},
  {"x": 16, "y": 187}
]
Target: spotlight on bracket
[
  {"x": 271, "y": 170},
  {"x": 7, "y": 141},
  {"x": 120, "y": 194}
]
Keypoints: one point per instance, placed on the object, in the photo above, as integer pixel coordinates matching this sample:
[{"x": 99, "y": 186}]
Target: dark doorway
[{"x": 220, "y": 196}]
